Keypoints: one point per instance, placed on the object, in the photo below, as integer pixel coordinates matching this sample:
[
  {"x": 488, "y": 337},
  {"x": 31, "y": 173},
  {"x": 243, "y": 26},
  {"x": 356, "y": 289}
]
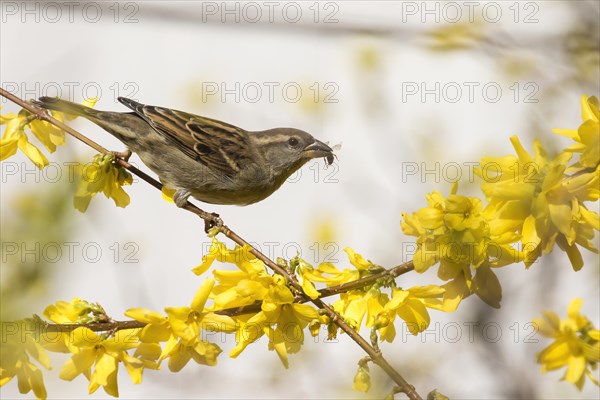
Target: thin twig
[
  {"x": 43, "y": 115},
  {"x": 93, "y": 326},
  {"x": 211, "y": 220},
  {"x": 375, "y": 355},
  {"x": 243, "y": 310},
  {"x": 367, "y": 280},
  {"x": 330, "y": 291}
]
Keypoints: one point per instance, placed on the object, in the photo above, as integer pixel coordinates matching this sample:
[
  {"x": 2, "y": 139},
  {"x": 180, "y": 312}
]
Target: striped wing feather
[{"x": 219, "y": 146}]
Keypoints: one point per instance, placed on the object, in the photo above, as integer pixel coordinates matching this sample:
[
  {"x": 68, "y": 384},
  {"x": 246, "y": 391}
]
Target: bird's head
[{"x": 288, "y": 149}]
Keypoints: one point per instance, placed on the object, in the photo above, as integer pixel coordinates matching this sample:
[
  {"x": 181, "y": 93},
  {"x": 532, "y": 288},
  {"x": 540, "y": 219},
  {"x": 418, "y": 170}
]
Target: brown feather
[{"x": 218, "y": 145}]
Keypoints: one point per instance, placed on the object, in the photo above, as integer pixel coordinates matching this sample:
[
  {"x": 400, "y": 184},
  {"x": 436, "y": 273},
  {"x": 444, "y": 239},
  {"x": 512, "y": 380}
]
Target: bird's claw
[
  {"x": 213, "y": 222},
  {"x": 123, "y": 155}
]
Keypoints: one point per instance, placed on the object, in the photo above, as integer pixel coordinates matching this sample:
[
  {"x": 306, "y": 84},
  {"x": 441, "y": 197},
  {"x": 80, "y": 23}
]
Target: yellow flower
[
  {"x": 14, "y": 138},
  {"x": 278, "y": 308},
  {"x": 314, "y": 326},
  {"x": 304, "y": 273},
  {"x": 280, "y": 319},
  {"x": 183, "y": 328},
  {"x": 327, "y": 272},
  {"x": 362, "y": 379},
  {"x": 357, "y": 260},
  {"x": 532, "y": 196},
  {"x": 76, "y": 311},
  {"x": 457, "y": 233},
  {"x": 168, "y": 194},
  {"x": 356, "y": 304},
  {"x": 217, "y": 249},
  {"x": 17, "y": 347},
  {"x": 102, "y": 175},
  {"x": 179, "y": 354},
  {"x": 157, "y": 327},
  {"x": 240, "y": 256},
  {"x": 49, "y": 135},
  {"x": 331, "y": 276},
  {"x": 186, "y": 322},
  {"x": 237, "y": 288},
  {"x": 6, "y": 117},
  {"x": 576, "y": 344},
  {"x": 103, "y": 355},
  {"x": 249, "y": 330},
  {"x": 179, "y": 350},
  {"x": 587, "y": 136},
  {"x": 411, "y": 306}
]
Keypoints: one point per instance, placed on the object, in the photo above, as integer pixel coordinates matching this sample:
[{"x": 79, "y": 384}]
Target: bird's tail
[
  {"x": 124, "y": 126},
  {"x": 67, "y": 107}
]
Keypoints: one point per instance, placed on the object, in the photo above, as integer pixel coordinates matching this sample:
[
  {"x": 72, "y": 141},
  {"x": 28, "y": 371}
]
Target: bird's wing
[{"x": 220, "y": 146}]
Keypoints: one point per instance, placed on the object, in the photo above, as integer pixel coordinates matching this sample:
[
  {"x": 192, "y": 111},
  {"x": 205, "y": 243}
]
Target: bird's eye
[{"x": 293, "y": 141}]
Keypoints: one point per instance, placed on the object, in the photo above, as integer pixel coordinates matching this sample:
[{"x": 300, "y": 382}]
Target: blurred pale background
[{"x": 403, "y": 90}]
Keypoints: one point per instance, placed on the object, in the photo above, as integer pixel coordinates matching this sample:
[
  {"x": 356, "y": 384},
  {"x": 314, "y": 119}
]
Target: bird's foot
[
  {"x": 180, "y": 197},
  {"x": 123, "y": 155},
  {"x": 211, "y": 220},
  {"x": 214, "y": 222}
]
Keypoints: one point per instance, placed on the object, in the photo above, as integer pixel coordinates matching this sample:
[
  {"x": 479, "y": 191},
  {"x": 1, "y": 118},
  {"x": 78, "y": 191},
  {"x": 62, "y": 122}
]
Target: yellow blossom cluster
[
  {"x": 275, "y": 310},
  {"x": 542, "y": 199},
  {"x": 456, "y": 233},
  {"x": 15, "y": 136},
  {"x": 181, "y": 330},
  {"x": 576, "y": 344},
  {"x": 279, "y": 313},
  {"x": 95, "y": 356},
  {"x": 19, "y": 347},
  {"x": 533, "y": 203},
  {"x": 101, "y": 175},
  {"x": 280, "y": 318}
]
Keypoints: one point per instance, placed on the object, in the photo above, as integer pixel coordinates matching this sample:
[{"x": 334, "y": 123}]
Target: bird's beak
[{"x": 319, "y": 149}]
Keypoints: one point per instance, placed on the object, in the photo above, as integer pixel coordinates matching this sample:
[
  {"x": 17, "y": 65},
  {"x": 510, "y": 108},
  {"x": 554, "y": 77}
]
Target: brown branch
[
  {"x": 367, "y": 280},
  {"x": 93, "y": 326},
  {"x": 43, "y": 115},
  {"x": 375, "y": 355},
  {"x": 236, "y": 311},
  {"x": 588, "y": 170},
  {"x": 213, "y": 220},
  {"x": 330, "y": 291}
]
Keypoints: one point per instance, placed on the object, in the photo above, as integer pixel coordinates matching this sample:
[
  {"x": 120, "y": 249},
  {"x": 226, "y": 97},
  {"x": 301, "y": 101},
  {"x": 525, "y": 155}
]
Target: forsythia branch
[
  {"x": 393, "y": 272},
  {"x": 212, "y": 220}
]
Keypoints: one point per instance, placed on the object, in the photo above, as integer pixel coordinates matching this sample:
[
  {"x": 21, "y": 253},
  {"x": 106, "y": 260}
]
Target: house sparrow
[{"x": 213, "y": 161}]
